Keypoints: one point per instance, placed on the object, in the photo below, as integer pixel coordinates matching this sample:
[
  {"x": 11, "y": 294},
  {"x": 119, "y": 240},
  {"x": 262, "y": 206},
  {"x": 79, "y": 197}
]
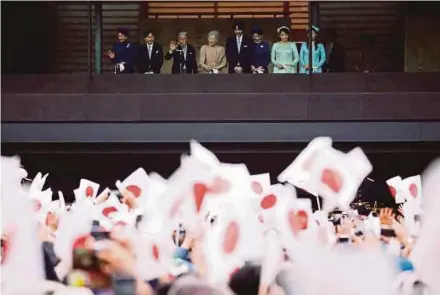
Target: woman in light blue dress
[
  {"x": 318, "y": 55},
  {"x": 284, "y": 54}
]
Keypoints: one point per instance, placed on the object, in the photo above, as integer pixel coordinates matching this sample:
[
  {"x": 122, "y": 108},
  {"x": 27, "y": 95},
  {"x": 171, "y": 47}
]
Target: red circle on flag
[
  {"x": 297, "y": 220},
  {"x": 155, "y": 252},
  {"x": 413, "y": 190},
  {"x": 135, "y": 190},
  {"x": 257, "y": 187},
  {"x": 89, "y": 191},
  {"x": 268, "y": 202},
  {"x": 231, "y": 237},
  {"x": 199, "y": 190},
  {"x": 332, "y": 179},
  {"x": 392, "y": 191},
  {"x": 302, "y": 219},
  {"x": 109, "y": 210}
]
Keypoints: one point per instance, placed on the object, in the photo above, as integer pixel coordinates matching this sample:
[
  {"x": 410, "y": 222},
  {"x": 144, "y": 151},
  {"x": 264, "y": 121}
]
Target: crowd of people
[
  {"x": 214, "y": 228},
  {"x": 241, "y": 54}
]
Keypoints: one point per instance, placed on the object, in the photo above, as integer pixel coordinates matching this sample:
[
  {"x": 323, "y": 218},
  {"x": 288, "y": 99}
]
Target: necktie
[
  {"x": 184, "y": 52},
  {"x": 239, "y": 44},
  {"x": 149, "y": 51}
]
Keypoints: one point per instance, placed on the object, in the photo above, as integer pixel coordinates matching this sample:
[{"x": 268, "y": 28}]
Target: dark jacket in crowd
[
  {"x": 181, "y": 63},
  {"x": 261, "y": 55},
  {"x": 335, "y": 58},
  {"x": 50, "y": 261},
  {"x": 147, "y": 64},
  {"x": 125, "y": 52},
  {"x": 234, "y": 57}
]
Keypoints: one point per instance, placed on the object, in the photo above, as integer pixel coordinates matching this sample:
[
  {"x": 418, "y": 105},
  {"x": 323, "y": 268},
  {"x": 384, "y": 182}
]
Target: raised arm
[{"x": 170, "y": 53}]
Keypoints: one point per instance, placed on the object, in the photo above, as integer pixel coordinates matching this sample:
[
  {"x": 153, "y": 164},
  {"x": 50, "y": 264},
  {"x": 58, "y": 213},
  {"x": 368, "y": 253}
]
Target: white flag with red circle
[
  {"x": 337, "y": 177},
  {"x": 299, "y": 171},
  {"x": 395, "y": 187},
  {"x": 88, "y": 189}
]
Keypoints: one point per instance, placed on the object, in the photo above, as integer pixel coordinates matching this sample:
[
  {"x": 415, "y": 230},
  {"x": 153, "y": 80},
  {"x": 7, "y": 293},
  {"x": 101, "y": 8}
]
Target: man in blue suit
[{"x": 239, "y": 50}]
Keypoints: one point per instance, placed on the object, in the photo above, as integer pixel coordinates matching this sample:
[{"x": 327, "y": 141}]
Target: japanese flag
[
  {"x": 395, "y": 186},
  {"x": 338, "y": 176},
  {"x": 73, "y": 225},
  {"x": 22, "y": 254},
  {"x": 299, "y": 171},
  {"x": 136, "y": 183},
  {"x": 425, "y": 254},
  {"x": 109, "y": 207},
  {"x": 412, "y": 187},
  {"x": 223, "y": 246},
  {"x": 272, "y": 260},
  {"x": 154, "y": 250},
  {"x": 260, "y": 183},
  {"x": 297, "y": 224},
  {"x": 229, "y": 181},
  {"x": 88, "y": 189},
  {"x": 273, "y": 203},
  {"x": 185, "y": 193}
]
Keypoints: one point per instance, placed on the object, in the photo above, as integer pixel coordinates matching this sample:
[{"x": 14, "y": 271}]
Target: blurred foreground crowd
[{"x": 213, "y": 228}]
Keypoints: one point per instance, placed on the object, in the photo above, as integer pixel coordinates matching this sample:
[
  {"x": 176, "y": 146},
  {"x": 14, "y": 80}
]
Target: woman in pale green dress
[{"x": 284, "y": 54}]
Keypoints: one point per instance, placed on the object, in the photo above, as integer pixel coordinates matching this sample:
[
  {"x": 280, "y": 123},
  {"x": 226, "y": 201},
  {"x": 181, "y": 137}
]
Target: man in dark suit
[
  {"x": 150, "y": 56},
  {"x": 335, "y": 54},
  {"x": 123, "y": 54},
  {"x": 183, "y": 55},
  {"x": 239, "y": 50}
]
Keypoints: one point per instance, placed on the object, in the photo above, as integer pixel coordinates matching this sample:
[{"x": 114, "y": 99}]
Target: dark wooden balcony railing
[{"x": 221, "y": 108}]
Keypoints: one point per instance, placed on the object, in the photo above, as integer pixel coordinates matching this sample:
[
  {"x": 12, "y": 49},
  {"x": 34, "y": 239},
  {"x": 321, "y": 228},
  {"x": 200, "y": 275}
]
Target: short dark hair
[
  {"x": 124, "y": 31},
  {"x": 284, "y": 30},
  {"x": 256, "y": 30},
  {"x": 246, "y": 281},
  {"x": 239, "y": 24},
  {"x": 148, "y": 32}
]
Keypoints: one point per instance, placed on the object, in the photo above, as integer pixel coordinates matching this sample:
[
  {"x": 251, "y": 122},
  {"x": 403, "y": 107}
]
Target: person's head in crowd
[
  {"x": 246, "y": 280},
  {"x": 238, "y": 28},
  {"x": 257, "y": 34},
  {"x": 314, "y": 31},
  {"x": 182, "y": 37},
  {"x": 213, "y": 37},
  {"x": 163, "y": 289},
  {"x": 283, "y": 33},
  {"x": 149, "y": 37},
  {"x": 123, "y": 34}
]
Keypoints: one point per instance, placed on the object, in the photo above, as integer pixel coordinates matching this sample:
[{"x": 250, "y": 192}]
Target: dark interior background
[{"x": 104, "y": 164}]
